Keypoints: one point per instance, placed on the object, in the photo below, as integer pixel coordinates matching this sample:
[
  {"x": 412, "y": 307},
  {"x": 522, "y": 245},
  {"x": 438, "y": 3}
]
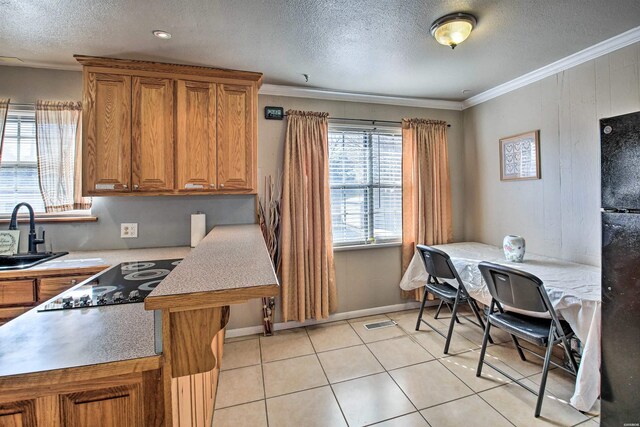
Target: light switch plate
[{"x": 129, "y": 230}]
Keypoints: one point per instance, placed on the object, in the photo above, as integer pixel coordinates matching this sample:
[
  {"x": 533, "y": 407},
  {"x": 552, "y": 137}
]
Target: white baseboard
[{"x": 250, "y": 330}]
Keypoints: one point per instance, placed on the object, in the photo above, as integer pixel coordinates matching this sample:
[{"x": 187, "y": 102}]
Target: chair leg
[
  {"x": 424, "y": 299},
  {"x": 454, "y": 318},
  {"x": 476, "y": 311},
  {"x": 545, "y": 370},
  {"x": 451, "y": 311},
  {"x": 485, "y": 339},
  {"x": 517, "y": 344},
  {"x": 567, "y": 350},
  {"x": 438, "y": 310}
]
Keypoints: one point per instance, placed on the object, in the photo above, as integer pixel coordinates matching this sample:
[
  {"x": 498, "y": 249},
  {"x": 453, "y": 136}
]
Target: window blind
[
  {"x": 19, "y": 165},
  {"x": 365, "y": 176}
]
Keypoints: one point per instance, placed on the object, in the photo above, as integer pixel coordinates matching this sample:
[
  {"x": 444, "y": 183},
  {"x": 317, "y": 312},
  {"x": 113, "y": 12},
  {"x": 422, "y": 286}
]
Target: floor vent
[{"x": 379, "y": 325}]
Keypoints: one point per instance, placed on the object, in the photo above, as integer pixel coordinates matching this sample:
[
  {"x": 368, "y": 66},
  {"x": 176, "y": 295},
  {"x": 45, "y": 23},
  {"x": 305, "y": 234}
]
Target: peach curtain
[
  {"x": 58, "y": 136},
  {"x": 426, "y": 191},
  {"x": 4, "y": 108},
  {"x": 308, "y": 275}
]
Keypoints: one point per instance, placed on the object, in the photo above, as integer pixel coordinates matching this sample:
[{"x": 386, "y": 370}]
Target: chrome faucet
[{"x": 13, "y": 225}]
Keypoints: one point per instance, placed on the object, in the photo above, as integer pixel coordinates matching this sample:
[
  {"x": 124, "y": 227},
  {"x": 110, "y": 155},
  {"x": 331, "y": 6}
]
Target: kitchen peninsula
[{"x": 151, "y": 364}]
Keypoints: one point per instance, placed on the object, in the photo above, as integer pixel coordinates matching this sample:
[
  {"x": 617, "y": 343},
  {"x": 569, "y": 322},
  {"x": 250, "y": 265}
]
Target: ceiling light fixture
[
  {"x": 453, "y": 29},
  {"x": 161, "y": 34}
]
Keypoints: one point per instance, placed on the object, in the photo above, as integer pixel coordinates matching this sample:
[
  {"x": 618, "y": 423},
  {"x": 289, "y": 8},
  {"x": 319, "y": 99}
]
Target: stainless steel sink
[{"x": 22, "y": 261}]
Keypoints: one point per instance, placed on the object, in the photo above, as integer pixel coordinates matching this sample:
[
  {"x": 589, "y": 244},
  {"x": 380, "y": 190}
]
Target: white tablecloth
[{"x": 574, "y": 291}]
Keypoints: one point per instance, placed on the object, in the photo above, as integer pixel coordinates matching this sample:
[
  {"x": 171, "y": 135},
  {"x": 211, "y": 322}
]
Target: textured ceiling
[{"x": 379, "y": 47}]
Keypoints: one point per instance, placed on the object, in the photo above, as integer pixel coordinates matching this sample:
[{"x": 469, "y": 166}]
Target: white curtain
[
  {"x": 4, "y": 107},
  {"x": 58, "y": 135}
]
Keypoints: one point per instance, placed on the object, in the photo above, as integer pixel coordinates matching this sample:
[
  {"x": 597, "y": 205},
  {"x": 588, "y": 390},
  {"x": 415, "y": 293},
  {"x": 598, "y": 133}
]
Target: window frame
[
  {"x": 370, "y": 188},
  {"x": 77, "y": 215}
]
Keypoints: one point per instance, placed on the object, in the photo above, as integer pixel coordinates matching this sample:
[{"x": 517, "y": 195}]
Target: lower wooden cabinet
[
  {"x": 18, "y": 414},
  {"x": 49, "y": 287},
  {"x": 123, "y": 400},
  {"x": 108, "y": 407},
  {"x": 9, "y": 313},
  {"x": 19, "y": 292},
  {"x": 14, "y": 292}
]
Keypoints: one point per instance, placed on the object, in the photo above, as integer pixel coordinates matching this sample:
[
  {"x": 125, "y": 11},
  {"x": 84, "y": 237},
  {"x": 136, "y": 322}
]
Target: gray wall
[
  {"x": 162, "y": 221},
  {"x": 365, "y": 278},
  {"x": 559, "y": 214}
]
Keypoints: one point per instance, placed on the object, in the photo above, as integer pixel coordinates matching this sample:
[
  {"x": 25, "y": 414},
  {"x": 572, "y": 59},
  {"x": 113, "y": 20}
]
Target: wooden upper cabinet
[
  {"x": 107, "y": 147},
  {"x": 164, "y": 129},
  {"x": 236, "y": 138},
  {"x": 196, "y": 136},
  {"x": 152, "y": 134}
]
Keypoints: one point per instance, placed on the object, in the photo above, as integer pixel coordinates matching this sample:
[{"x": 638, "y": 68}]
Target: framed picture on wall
[{"x": 520, "y": 156}]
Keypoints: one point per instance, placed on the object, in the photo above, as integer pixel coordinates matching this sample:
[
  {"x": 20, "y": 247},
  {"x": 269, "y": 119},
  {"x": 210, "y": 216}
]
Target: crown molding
[
  {"x": 593, "y": 52},
  {"x": 314, "y": 93},
  {"x": 45, "y": 66}
]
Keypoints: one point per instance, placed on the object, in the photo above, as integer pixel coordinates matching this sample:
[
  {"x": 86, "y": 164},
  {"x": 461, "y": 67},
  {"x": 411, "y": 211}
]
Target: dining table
[{"x": 573, "y": 289}]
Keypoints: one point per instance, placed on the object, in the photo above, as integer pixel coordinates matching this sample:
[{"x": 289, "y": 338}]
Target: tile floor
[{"x": 340, "y": 374}]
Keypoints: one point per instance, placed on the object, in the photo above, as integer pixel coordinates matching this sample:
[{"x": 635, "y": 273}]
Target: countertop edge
[
  {"x": 9, "y": 383},
  {"x": 202, "y": 278},
  {"x": 210, "y": 298}
]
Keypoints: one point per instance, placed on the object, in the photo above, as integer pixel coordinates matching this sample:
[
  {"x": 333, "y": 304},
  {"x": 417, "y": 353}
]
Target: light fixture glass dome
[
  {"x": 161, "y": 34},
  {"x": 451, "y": 30}
]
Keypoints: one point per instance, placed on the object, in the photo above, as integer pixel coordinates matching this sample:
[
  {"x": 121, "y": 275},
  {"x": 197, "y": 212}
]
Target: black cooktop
[{"x": 129, "y": 282}]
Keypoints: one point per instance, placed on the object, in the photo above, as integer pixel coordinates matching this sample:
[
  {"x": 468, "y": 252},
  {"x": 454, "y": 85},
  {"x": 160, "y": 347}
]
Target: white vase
[{"x": 513, "y": 247}]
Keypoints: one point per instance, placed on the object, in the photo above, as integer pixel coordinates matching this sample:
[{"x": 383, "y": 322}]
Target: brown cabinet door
[
  {"x": 152, "y": 134},
  {"x": 18, "y": 414},
  {"x": 236, "y": 138},
  {"x": 118, "y": 406},
  {"x": 196, "y": 144},
  {"x": 17, "y": 292},
  {"x": 10, "y": 313},
  {"x": 107, "y": 141},
  {"x": 50, "y": 287}
]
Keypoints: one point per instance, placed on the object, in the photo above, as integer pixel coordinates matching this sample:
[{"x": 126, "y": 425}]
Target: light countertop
[
  {"x": 230, "y": 264},
  {"x": 42, "y": 341},
  {"x": 79, "y": 260}
]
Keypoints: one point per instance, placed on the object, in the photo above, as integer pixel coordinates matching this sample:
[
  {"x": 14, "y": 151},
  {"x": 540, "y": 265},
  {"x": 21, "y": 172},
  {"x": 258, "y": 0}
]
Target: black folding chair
[
  {"x": 439, "y": 267},
  {"x": 524, "y": 291}
]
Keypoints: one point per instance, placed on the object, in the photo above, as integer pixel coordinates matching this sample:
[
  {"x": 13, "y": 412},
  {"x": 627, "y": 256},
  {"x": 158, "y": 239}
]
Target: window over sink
[
  {"x": 19, "y": 162},
  {"x": 365, "y": 176},
  {"x": 21, "y": 166}
]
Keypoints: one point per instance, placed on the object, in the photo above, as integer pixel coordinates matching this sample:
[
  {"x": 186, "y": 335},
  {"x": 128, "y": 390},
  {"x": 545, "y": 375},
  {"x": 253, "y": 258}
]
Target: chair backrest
[
  {"x": 437, "y": 262},
  {"x": 515, "y": 288}
]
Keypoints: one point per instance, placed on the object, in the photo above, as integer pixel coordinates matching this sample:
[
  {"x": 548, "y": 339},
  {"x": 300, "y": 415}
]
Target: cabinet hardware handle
[
  {"x": 124, "y": 185},
  {"x": 135, "y": 186},
  {"x": 221, "y": 185},
  {"x": 212, "y": 185},
  {"x": 73, "y": 282}
]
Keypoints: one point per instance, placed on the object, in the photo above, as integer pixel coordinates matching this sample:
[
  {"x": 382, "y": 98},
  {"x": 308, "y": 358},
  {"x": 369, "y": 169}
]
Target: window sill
[
  {"x": 51, "y": 219},
  {"x": 367, "y": 246}
]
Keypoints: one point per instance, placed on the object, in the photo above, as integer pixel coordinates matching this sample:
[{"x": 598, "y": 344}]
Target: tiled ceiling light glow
[
  {"x": 161, "y": 34},
  {"x": 453, "y": 29}
]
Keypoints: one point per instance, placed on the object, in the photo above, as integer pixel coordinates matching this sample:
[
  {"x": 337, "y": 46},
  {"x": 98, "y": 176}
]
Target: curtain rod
[
  {"x": 372, "y": 121},
  {"x": 21, "y": 105}
]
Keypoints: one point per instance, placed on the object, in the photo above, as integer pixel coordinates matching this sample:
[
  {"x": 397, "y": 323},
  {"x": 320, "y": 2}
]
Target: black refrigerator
[{"x": 620, "y": 369}]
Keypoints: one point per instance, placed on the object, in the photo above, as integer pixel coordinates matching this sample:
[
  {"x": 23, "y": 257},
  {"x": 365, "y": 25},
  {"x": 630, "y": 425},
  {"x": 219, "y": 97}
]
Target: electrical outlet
[{"x": 129, "y": 230}]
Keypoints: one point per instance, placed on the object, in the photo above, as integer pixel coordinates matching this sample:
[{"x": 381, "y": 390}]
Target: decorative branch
[{"x": 269, "y": 220}]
